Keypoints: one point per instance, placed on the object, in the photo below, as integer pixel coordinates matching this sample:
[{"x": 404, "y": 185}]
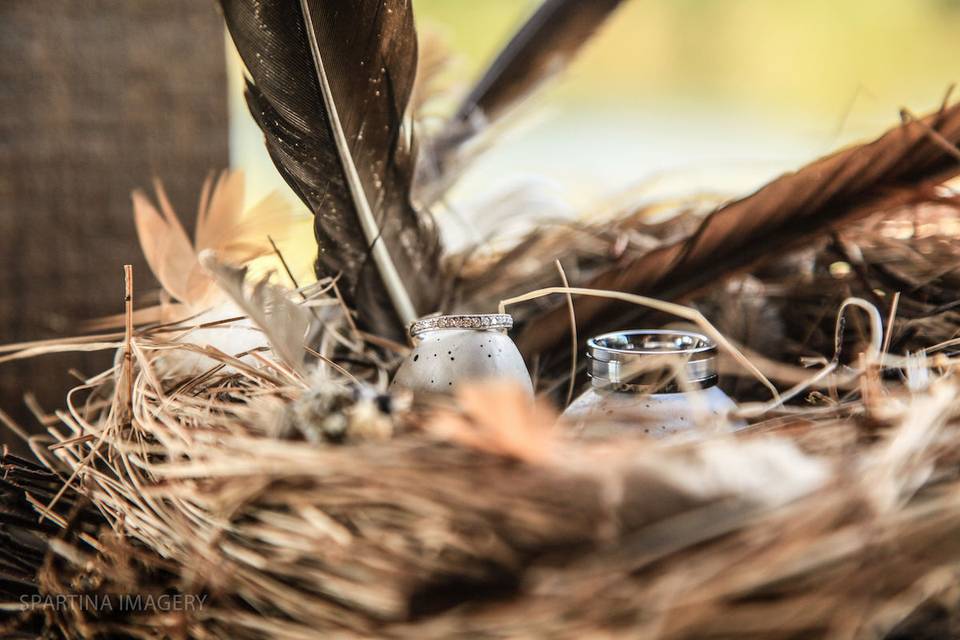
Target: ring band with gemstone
[{"x": 470, "y": 321}]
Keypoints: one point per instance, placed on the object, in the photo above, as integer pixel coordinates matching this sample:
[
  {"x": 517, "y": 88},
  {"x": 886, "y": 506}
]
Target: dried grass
[{"x": 299, "y": 503}]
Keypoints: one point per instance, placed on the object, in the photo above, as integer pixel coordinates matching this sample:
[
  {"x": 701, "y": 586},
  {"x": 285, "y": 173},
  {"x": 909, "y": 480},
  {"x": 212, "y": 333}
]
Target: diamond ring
[{"x": 470, "y": 321}]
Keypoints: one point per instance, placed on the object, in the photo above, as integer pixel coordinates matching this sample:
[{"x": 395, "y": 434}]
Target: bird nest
[
  {"x": 258, "y": 500},
  {"x": 242, "y": 470}
]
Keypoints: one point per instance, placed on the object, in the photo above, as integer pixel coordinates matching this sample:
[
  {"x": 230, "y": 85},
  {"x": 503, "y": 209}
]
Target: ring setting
[{"x": 478, "y": 321}]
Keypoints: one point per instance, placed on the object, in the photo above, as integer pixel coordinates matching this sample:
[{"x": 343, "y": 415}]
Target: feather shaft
[{"x": 371, "y": 231}]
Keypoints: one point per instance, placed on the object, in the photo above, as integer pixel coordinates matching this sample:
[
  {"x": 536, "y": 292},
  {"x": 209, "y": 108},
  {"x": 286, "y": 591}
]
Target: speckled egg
[
  {"x": 655, "y": 415},
  {"x": 446, "y": 357}
]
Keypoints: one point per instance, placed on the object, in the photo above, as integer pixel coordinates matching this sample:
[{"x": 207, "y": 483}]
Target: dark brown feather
[
  {"x": 889, "y": 172},
  {"x": 363, "y": 54},
  {"x": 544, "y": 46}
]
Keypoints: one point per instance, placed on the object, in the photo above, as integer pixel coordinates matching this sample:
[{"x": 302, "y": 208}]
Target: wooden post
[{"x": 96, "y": 98}]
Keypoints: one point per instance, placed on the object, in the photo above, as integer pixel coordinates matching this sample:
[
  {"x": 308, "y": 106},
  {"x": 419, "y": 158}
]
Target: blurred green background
[{"x": 680, "y": 96}]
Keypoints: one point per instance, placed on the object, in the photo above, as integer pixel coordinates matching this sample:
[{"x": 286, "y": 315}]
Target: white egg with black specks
[{"x": 450, "y": 350}]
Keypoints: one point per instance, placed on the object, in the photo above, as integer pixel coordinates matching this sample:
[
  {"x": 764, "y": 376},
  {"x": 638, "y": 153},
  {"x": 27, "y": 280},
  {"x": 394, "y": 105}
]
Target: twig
[
  {"x": 386, "y": 343},
  {"x": 893, "y": 315},
  {"x": 932, "y": 133},
  {"x": 876, "y": 328},
  {"x": 296, "y": 285},
  {"x": 53, "y": 342},
  {"x": 128, "y": 333},
  {"x": 286, "y": 267},
  {"x": 346, "y": 312},
  {"x": 573, "y": 335},
  {"x": 333, "y": 364}
]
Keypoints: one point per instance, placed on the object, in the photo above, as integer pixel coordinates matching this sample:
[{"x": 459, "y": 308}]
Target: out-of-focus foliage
[
  {"x": 811, "y": 56},
  {"x": 680, "y": 96}
]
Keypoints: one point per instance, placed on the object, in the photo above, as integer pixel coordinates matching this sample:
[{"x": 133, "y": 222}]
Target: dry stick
[
  {"x": 574, "y": 341},
  {"x": 346, "y": 312},
  {"x": 65, "y": 347},
  {"x": 386, "y": 343},
  {"x": 173, "y": 327},
  {"x": 286, "y": 267},
  {"x": 876, "y": 328},
  {"x": 128, "y": 333},
  {"x": 128, "y": 375},
  {"x": 296, "y": 285},
  {"x": 333, "y": 364},
  {"x": 276, "y": 365},
  {"x": 76, "y": 471},
  {"x": 946, "y": 96},
  {"x": 38, "y": 344},
  {"x": 873, "y": 356},
  {"x": 933, "y": 134},
  {"x": 72, "y": 441},
  {"x": 362, "y": 336},
  {"x": 55, "y": 517},
  {"x": 672, "y": 308},
  {"x": 782, "y": 372},
  {"x": 756, "y": 410},
  {"x": 889, "y": 333}
]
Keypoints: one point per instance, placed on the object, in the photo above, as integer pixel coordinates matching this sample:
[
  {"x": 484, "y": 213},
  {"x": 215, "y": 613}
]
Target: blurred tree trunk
[{"x": 97, "y": 97}]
